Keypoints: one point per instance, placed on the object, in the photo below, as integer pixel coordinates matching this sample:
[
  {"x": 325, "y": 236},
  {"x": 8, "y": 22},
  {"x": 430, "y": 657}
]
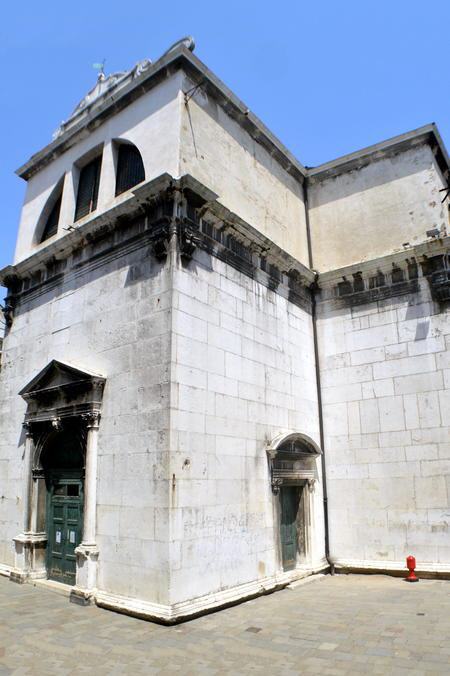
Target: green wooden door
[
  {"x": 289, "y": 499},
  {"x": 65, "y": 516}
]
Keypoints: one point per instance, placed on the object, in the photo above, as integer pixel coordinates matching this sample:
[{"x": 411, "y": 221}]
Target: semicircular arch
[
  {"x": 48, "y": 222},
  {"x": 294, "y": 442},
  {"x": 65, "y": 447},
  {"x": 129, "y": 165}
]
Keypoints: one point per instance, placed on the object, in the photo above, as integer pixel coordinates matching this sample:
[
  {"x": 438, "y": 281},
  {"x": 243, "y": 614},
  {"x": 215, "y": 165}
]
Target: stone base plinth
[
  {"x": 86, "y": 582},
  {"x": 29, "y": 559},
  {"x": 82, "y": 597}
]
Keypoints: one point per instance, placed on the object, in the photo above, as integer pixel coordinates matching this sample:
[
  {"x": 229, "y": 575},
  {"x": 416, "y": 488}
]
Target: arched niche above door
[{"x": 292, "y": 458}]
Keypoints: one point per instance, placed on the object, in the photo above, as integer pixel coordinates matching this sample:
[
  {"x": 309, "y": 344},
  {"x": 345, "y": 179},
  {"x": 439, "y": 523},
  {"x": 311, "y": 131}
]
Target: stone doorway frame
[
  {"x": 292, "y": 458},
  {"x": 59, "y": 392}
]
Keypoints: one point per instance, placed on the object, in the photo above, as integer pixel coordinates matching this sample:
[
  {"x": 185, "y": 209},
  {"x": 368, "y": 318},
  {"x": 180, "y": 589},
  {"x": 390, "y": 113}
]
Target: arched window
[
  {"x": 88, "y": 184},
  {"x": 51, "y": 226},
  {"x": 49, "y": 220},
  {"x": 130, "y": 168}
]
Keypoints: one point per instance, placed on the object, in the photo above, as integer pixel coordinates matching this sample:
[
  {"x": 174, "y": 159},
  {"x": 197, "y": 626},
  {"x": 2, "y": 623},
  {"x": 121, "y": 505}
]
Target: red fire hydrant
[{"x": 411, "y": 565}]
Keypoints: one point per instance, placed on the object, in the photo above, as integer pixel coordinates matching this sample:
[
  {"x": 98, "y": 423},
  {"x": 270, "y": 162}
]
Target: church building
[{"x": 222, "y": 371}]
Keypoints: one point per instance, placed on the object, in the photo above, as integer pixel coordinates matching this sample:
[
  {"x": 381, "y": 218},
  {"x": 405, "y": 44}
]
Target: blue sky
[{"x": 327, "y": 77}]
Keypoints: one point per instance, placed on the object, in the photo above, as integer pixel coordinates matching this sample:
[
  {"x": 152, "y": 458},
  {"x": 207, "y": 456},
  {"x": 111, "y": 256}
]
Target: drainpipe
[{"x": 314, "y": 290}]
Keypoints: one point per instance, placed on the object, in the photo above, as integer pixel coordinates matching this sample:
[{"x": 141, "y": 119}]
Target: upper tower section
[
  {"x": 169, "y": 117},
  {"x": 175, "y": 117},
  {"x": 123, "y": 132}
]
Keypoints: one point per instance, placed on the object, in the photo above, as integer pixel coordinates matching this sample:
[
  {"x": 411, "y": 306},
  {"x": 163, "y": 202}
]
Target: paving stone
[{"x": 344, "y": 625}]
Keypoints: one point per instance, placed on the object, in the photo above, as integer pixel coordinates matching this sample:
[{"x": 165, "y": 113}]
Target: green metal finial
[{"x": 100, "y": 67}]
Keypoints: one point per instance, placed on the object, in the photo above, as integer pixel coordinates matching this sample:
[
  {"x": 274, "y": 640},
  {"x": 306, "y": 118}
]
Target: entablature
[
  {"x": 154, "y": 213},
  {"x": 292, "y": 460},
  {"x": 395, "y": 275},
  {"x": 61, "y": 391}
]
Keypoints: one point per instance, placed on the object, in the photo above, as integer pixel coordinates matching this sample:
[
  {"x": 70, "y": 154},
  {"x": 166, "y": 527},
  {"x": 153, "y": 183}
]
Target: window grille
[
  {"x": 51, "y": 225},
  {"x": 130, "y": 169},
  {"x": 88, "y": 188}
]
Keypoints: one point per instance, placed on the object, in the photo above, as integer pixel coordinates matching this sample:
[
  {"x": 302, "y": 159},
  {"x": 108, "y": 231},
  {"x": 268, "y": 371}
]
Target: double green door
[
  {"x": 65, "y": 522},
  {"x": 289, "y": 500}
]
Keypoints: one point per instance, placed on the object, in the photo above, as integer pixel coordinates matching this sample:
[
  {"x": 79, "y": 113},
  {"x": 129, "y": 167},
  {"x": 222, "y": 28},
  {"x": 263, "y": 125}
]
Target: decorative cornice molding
[
  {"x": 390, "y": 276},
  {"x": 292, "y": 459},
  {"x": 114, "y": 93},
  {"x": 201, "y": 223},
  {"x": 61, "y": 391},
  {"x": 179, "y": 58},
  {"x": 428, "y": 134},
  {"x": 148, "y": 218},
  {"x": 417, "y": 252}
]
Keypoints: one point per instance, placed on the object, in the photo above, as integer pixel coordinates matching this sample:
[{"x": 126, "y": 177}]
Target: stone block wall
[
  {"x": 385, "y": 371},
  {"x": 204, "y": 367},
  {"x": 370, "y": 212},
  {"x": 248, "y": 179},
  {"x": 243, "y": 371},
  {"x": 113, "y": 319}
]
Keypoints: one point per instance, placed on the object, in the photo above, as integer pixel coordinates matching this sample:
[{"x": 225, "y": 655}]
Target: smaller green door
[
  {"x": 289, "y": 500},
  {"x": 65, "y": 516}
]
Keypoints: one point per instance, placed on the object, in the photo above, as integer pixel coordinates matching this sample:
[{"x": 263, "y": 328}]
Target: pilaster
[
  {"x": 29, "y": 546},
  {"x": 87, "y": 552}
]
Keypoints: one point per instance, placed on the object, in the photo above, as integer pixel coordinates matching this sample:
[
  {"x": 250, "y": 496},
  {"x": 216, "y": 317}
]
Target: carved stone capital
[
  {"x": 57, "y": 424},
  {"x": 28, "y": 428},
  {"x": 98, "y": 385},
  {"x": 272, "y": 453},
  {"x": 92, "y": 419},
  {"x": 311, "y": 483},
  {"x": 276, "y": 485},
  {"x": 87, "y": 552}
]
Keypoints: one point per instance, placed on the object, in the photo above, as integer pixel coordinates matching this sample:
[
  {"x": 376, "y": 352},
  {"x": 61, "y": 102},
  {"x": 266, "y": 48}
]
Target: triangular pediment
[{"x": 55, "y": 375}]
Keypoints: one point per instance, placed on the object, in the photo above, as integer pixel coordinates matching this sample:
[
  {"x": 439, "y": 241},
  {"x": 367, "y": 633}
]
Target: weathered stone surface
[
  {"x": 199, "y": 310},
  {"x": 405, "y": 410}
]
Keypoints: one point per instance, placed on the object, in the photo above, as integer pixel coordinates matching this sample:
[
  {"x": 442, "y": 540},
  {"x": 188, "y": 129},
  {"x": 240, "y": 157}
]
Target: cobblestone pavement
[{"x": 333, "y": 625}]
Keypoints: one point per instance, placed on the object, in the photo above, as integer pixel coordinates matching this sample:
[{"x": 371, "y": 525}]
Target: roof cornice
[
  {"x": 419, "y": 252},
  {"x": 137, "y": 203},
  {"x": 361, "y": 158},
  {"x": 182, "y": 58},
  {"x": 179, "y": 58}
]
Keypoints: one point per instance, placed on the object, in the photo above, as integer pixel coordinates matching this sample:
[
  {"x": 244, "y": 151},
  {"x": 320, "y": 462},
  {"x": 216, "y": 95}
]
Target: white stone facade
[
  {"x": 386, "y": 407},
  {"x": 374, "y": 210},
  {"x": 214, "y": 337},
  {"x": 238, "y": 380}
]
